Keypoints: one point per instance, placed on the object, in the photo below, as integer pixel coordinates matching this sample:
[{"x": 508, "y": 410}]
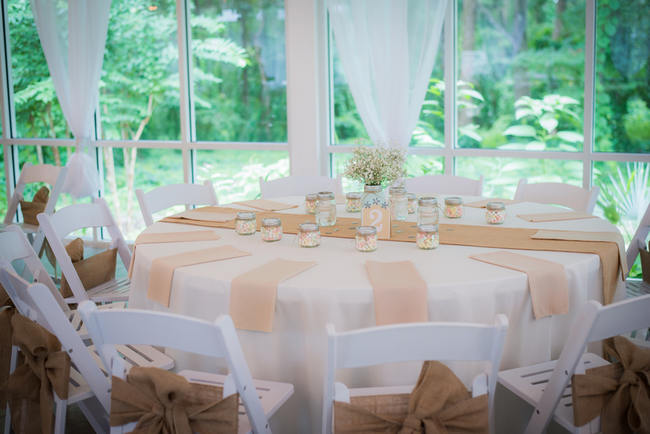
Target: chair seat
[
  {"x": 113, "y": 290},
  {"x": 272, "y": 394},
  {"x": 529, "y": 382}
]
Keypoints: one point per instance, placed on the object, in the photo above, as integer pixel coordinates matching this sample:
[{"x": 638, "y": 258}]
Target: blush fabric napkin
[
  {"x": 208, "y": 216},
  {"x": 400, "y": 293},
  {"x": 253, "y": 294},
  {"x": 170, "y": 237},
  {"x": 547, "y": 282},
  {"x": 556, "y": 216},
  {"x": 610, "y": 237},
  {"x": 266, "y": 205},
  {"x": 483, "y": 203},
  {"x": 161, "y": 275}
]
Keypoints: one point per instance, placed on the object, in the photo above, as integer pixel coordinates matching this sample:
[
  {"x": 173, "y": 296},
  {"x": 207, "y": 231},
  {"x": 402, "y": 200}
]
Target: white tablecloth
[{"x": 337, "y": 291}]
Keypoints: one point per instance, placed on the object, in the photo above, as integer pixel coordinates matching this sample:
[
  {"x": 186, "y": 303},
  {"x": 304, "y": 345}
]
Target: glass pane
[
  {"x": 622, "y": 76},
  {"x": 138, "y": 92},
  {"x": 624, "y": 196},
  {"x": 416, "y": 165},
  {"x": 126, "y": 169},
  {"x": 239, "y": 70},
  {"x": 520, "y": 69},
  {"x": 503, "y": 174},
  {"x": 235, "y": 173},
  {"x": 38, "y": 113},
  {"x": 348, "y": 127}
]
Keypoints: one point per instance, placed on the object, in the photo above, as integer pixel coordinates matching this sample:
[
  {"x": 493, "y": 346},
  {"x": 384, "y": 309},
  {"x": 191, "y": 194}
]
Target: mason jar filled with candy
[
  {"x": 308, "y": 235},
  {"x": 495, "y": 213},
  {"x": 271, "y": 229},
  {"x": 326, "y": 209},
  {"x": 353, "y": 202},
  {"x": 453, "y": 207},
  {"x": 245, "y": 223},
  {"x": 427, "y": 237},
  {"x": 311, "y": 201},
  {"x": 366, "y": 239}
]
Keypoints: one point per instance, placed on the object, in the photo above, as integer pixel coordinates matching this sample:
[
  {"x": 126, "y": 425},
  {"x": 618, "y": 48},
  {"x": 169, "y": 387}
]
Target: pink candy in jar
[
  {"x": 453, "y": 207},
  {"x": 366, "y": 239},
  {"x": 495, "y": 213},
  {"x": 245, "y": 223},
  {"x": 271, "y": 229},
  {"x": 309, "y": 235}
]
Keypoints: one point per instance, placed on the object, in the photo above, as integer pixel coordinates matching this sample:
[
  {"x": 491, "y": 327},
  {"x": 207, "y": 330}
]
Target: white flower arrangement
[{"x": 376, "y": 165}]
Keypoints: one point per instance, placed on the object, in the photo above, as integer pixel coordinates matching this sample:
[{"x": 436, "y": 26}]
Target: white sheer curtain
[
  {"x": 387, "y": 50},
  {"x": 74, "y": 50}
]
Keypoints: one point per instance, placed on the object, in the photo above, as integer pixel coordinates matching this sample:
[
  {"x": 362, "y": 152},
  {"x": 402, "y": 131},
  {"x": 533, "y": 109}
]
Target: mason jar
[
  {"x": 412, "y": 202},
  {"x": 495, "y": 213},
  {"x": 427, "y": 237},
  {"x": 353, "y": 202},
  {"x": 453, "y": 207},
  {"x": 271, "y": 229},
  {"x": 308, "y": 235},
  {"x": 398, "y": 203},
  {"x": 326, "y": 209},
  {"x": 245, "y": 223},
  {"x": 311, "y": 200},
  {"x": 428, "y": 211},
  {"x": 366, "y": 239}
]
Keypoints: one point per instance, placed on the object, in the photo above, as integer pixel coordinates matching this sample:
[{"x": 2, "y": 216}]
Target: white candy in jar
[
  {"x": 309, "y": 235},
  {"x": 245, "y": 223},
  {"x": 311, "y": 202},
  {"x": 427, "y": 237},
  {"x": 495, "y": 213},
  {"x": 366, "y": 239},
  {"x": 271, "y": 229}
]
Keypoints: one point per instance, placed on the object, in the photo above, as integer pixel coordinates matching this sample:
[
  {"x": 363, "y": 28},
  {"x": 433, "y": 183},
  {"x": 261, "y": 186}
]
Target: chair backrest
[
  {"x": 557, "y": 193},
  {"x": 296, "y": 185},
  {"x": 413, "y": 342},
  {"x": 638, "y": 240},
  {"x": 594, "y": 323},
  {"x": 14, "y": 246},
  {"x": 36, "y": 302},
  {"x": 445, "y": 184},
  {"x": 161, "y": 198},
  {"x": 79, "y": 216},
  {"x": 218, "y": 339},
  {"x": 47, "y": 173}
]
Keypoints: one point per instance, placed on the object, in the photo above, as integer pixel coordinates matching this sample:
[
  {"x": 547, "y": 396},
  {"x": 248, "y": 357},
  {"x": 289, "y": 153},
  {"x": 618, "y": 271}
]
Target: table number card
[{"x": 379, "y": 217}]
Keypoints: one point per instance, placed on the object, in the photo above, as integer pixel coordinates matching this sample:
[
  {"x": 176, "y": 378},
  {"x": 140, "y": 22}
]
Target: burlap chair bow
[
  {"x": 5, "y": 348},
  {"x": 439, "y": 404},
  {"x": 163, "y": 402},
  {"x": 31, "y": 209},
  {"x": 92, "y": 271},
  {"x": 46, "y": 370},
  {"x": 619, "y": 393}
]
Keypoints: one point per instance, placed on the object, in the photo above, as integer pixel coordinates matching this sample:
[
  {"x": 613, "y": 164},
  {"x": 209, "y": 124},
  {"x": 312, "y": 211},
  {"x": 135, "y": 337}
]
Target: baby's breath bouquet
[{"x": 376, "y": 165}]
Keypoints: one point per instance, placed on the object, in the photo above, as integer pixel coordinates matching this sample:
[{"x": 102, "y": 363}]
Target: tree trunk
[
  {"x": 558, "y": 26},
  {"x": 50, "y": 122},
  {"x": 468, "y": 25},
  {"x": 521, "y": 85},
  {"x": 110, "y": 176}
]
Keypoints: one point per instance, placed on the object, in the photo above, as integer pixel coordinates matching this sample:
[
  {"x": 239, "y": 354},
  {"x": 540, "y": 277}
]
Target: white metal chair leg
[
  {"x": 95, "y": 415},
  {"x": 59, "y": 414},
  {"x": 7, "y": 428}
]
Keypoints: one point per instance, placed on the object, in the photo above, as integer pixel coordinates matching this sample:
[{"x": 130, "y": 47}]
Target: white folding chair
[
  {"x": 546, "y": 386},
  {"x": 47, "y": 173},
  {"x": 161, "y": 198},
  {"x": 445, "y": 184},
  {"x": 299, "y": 186},
  {"x": 109, "y": 328},
  {"x": 638, "y": 240},
  {"x": 59, "y": 225},
  {"x": 408, "y": 342},
  {"x": 557, "y": 193}
]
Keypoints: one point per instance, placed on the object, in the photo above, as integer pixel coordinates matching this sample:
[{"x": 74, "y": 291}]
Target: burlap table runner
[
  {"x": 547, "y": 282},
  {"x": 170, "y": 237},
  {"x": 31, "y": 386},
  {"x": 462, "y": 235},
  {"x": 439, "y": 403},
  {"x": 31, "y": 209},
  {"x": 164, "y": 402},
  {"x": 619, "y": 393},
  {"x": 253, "y": 294}
]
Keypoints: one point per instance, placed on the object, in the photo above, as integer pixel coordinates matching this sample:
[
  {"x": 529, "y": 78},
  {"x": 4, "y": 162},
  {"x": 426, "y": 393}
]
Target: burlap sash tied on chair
[
  {"x": 439, "y": 404},
  {"x": 31, "y": 209},
  {"x": 619, "y": 393},
  {"x": 46, "y": 370},
  {"x": 5, "y": 348},
  {"x": 92, "y": 271},
  {"x": 163, "y": 402}
]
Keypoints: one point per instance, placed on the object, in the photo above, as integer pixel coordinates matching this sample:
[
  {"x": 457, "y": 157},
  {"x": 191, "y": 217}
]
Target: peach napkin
[
  {"x": 483, "y": 203},
  {"x": 400, "y": 292},
  {"x": 266, "y": 205},
  {"x": 198, "y": 214},
  {"x": 611, "y": 237},
  {"x": 555, "y": 216},
  {"x": 547, "y": 282},
  {"x": 170, "y": 237},
  {"x": 252, "y": 294},
  {"x": 161, "y": 275}
]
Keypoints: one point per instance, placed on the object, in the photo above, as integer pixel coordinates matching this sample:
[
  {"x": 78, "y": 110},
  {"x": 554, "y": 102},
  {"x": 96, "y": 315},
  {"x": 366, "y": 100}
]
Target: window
[
  {"x": 520, "y": 70},
  {"x": 235, "y": 173},
  {"x": 3, "y": 190},
  {"x": 622, "y": 122},
  {"x": 37, "y": 109},
  {"x": 239, "y": 70}
]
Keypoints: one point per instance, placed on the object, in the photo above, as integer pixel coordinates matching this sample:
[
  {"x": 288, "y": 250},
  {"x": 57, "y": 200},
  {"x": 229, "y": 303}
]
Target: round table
[{"x": 337, "y": 291}]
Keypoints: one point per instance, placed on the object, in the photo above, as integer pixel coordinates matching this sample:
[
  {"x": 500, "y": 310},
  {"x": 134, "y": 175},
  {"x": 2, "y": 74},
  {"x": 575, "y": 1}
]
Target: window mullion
[
  {"x": 450, "y": 85},
  {"x": 589, "y": 92}
]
